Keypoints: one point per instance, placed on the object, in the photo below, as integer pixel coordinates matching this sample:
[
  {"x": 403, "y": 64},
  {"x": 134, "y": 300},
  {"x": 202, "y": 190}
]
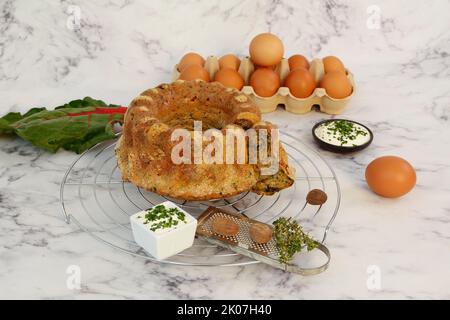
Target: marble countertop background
[{"x": 54, "y": 51}]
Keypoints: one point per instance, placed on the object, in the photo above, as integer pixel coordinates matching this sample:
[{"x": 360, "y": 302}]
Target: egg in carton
[{"x": 283, "y": 96}]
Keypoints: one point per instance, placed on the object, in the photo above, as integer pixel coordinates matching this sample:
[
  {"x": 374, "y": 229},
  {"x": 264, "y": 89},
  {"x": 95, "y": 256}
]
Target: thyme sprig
[{"x": 290, "y": 239}]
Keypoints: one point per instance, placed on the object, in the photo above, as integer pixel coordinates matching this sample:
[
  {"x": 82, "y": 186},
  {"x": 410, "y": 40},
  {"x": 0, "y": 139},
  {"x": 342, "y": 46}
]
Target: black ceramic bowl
[{"x": 340, "y": 149}]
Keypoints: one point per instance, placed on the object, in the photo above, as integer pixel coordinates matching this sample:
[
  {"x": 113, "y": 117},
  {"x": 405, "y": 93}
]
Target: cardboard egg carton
[{"x": 283, "y": 96}]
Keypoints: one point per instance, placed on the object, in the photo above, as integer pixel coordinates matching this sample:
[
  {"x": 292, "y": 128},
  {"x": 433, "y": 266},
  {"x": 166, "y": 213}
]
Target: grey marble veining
[{"x": 116, "y": 49}]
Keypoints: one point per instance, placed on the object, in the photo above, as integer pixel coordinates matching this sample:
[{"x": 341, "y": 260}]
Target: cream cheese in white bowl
[{"x": 163, "y": 230}]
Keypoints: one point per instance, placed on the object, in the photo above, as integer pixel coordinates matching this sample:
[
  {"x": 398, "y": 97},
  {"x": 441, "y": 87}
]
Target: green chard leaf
[
  {"x": 63, "y": 127},
  {"x": 86, "y": 102},
  {"x": 8, "y": 120}
]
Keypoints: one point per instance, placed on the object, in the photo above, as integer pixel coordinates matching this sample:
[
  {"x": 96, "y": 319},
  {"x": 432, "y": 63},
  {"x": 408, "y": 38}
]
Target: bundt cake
[{"x": 144, "y": 149}]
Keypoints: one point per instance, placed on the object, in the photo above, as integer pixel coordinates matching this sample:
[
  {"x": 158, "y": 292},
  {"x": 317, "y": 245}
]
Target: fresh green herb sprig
[
  {"x": 344, "y": 131},
  {"x": 290, "y": 239},
  {"x": 161, "y": 217}
]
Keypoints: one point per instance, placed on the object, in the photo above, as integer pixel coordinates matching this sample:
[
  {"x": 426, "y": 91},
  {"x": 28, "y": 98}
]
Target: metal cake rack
[{"x": 94, "y": 197}]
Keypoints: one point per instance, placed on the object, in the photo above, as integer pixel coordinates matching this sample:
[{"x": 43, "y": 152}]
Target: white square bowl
[{"x": 162, "y": 244}]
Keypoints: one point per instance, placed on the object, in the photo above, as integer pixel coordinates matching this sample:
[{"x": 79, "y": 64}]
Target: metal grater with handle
[{"x": 243, "y": 244}]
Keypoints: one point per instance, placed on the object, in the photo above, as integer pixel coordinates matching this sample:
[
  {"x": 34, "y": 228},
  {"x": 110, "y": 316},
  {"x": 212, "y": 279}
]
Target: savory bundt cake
[{"x": 145, "y": 147}]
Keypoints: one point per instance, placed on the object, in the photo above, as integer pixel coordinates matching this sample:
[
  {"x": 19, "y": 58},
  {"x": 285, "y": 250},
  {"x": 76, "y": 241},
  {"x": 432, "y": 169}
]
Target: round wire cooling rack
[{"x": 94, "y": 197}]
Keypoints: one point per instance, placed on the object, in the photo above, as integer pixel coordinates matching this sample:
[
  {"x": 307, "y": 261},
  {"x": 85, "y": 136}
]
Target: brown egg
[
  {"x": 264, "y": 67},
  {"x": 229, "y": 61},
  {"x": 332, "y": 63},
  {"x": 194, "y": 71},
  {"x": 230, "y": 78},
  {"x": 190, "y": 58},
  {"x": 390, "y": 176},
  {"x": 336, "y": 84},
  {"x": 301, "y": 83},
  {"x": 265, "y": 82},
  {"x": 298, "y": 61},
  {"x": 266, "y": 49}
]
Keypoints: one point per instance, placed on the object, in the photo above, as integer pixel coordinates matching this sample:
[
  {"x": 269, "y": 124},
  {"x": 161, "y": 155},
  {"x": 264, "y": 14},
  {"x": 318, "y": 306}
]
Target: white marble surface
[{"x": 402, "y": 72}]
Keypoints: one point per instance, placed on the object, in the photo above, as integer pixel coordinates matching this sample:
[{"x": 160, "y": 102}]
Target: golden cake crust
[{"x": 145, "y": 147}]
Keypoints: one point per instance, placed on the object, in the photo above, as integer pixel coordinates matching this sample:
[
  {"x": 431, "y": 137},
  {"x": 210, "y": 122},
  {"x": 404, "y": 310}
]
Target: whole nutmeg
[
  {"x": 260, "y": 233},
  {"x": 225, "y": 227},
  {"x": 316, "y": 197}
]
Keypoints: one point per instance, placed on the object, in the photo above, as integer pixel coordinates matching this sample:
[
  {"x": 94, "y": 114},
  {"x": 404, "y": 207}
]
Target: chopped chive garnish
[
  {"x": 161, "y": 217},
  {"x": 344, "y": 131}
]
